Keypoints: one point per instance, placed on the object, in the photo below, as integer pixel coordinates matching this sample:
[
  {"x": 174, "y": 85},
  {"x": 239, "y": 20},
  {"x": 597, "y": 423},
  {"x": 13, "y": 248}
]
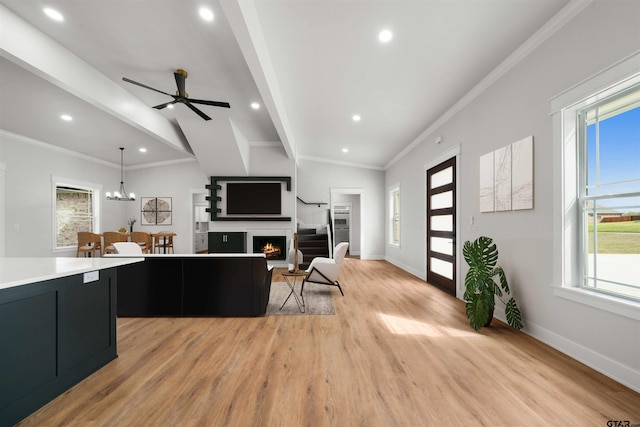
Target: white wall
[
  {"x": 315, "y": 181},
  {"x": 28, "y": 226},
  {"x": 29, "y": 166},
  {"x": 514, "y": 107}
]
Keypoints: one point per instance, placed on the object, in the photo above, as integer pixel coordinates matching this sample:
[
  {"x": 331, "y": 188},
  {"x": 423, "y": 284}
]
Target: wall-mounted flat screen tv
[{"x": 254, "y": 198}]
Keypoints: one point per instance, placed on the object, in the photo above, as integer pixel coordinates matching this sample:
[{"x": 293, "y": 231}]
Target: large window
[
  {"x": 75, "y": 210},
  {"x": 609, "y": 192},
  {"x": 394, "y": 209}
]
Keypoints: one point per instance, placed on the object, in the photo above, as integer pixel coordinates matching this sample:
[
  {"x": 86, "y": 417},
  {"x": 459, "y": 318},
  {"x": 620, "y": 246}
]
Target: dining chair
[
  {"x": 143, "y": 239},
  {"x": 164, "y": 242},
  {"x": 111, "y": 237},
  {"x": 127, "y": 248},
  {"x": 88, "y": 244}
]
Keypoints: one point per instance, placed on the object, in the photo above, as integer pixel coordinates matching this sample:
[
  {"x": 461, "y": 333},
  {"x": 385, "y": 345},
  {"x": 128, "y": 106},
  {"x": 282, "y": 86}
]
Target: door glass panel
[
  {"x": 442, "y": 245},
  {"x": 441, "y": 178},
  {"x": 441, "y": 267},
  {"x": 442, "y": 222},
  {"x": 442, "y": 200}
]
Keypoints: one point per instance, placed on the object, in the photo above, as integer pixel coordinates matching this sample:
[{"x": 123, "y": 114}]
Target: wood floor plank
[{"x": 398, "y": 352}]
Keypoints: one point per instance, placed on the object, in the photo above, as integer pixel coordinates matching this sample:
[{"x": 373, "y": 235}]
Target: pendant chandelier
[{"x": 121, "y": 194}]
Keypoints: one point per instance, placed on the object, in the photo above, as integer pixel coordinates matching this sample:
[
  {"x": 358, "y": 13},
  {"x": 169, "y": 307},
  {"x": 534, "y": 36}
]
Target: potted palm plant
[{"x": 481, "y": 287}]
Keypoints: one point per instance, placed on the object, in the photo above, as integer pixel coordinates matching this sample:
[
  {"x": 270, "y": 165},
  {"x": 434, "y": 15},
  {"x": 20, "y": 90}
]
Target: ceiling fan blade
[
  {"x": 198, "y": 112},
  {"x": 214, "y": 103},
  {"x": 166, "y": 104},
  {"x": 145, "y": 86},
  {"x": 180, "y": 84}
]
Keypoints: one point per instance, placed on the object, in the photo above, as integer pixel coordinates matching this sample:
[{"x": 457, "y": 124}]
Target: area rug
[{"x": 317, "y": 300}]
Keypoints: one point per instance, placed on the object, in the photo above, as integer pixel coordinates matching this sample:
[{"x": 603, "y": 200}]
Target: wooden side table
[{"x": 290, "y": 277}]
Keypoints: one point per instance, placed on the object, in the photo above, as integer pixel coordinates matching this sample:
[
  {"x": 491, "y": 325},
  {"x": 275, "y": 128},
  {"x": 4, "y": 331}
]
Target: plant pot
[
  {"x": 131, "y": 229},
  {"x": 489, "y": 319}
]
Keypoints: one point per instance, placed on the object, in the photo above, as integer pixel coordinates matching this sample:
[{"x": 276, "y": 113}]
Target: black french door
[{"x": 441, "y": 226}]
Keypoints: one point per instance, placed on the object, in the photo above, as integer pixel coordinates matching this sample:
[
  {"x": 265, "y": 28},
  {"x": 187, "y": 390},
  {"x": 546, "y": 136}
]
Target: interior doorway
[
  {"x": 441, "y": 225},
  {"x": 346, "y": 205},
  {"x": 200, "y": 222}
]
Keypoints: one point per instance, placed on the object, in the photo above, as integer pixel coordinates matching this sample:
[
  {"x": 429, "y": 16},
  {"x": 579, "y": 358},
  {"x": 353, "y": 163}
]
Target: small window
[
  {"x": 75, "y": 210},
  {"x": 394, "y": 208}
]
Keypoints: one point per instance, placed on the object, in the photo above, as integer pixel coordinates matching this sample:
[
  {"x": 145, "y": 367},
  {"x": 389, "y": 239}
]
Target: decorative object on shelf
[
  {"x": 121, "y": 194},
  {"x": 506, "y": 177},
  {"x": 131, "y": 222},
  {"x": 156, "y": 211},
  {"x": 481, "y": 289}
]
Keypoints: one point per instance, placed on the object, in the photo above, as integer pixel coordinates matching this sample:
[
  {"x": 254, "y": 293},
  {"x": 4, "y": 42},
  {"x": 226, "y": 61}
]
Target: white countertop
[
  {"x": 220, "y": 255},
  {"x": 22, "y": 271}
]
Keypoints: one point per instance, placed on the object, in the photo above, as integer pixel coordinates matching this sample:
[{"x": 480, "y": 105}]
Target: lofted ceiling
[{"x": 311, "y": 65}]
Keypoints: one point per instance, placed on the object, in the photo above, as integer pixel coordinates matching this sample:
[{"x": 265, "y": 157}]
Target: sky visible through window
[{"x": 619, "y": 158}]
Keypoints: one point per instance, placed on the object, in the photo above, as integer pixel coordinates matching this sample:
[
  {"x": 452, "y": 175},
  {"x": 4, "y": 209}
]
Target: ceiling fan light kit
[
  {"x": 181, "y": 95},
  {"x": 121, "y": 194}
]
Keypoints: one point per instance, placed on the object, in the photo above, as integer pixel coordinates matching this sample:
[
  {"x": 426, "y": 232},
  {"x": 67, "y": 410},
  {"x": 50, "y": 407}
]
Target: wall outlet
[{"x": 91, "y": 276}]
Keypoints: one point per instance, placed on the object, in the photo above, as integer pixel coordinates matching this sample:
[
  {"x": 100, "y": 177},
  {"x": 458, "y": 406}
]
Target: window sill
[
  {"x": 394, "y": 245},
  {"x": 612, "y": 304}
]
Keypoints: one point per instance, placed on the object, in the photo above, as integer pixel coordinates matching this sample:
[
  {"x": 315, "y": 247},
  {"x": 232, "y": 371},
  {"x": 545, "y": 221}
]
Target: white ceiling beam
[
  {"x": 219, "y": 146},
  {"x": 243, "y": 19}
]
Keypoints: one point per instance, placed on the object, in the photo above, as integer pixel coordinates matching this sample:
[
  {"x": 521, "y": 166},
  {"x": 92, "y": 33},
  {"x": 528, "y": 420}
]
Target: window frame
[
  {"x": 566, "y": 265},
  {"x": 583, "y": 197},
  {"x": 95, "y": 189}
]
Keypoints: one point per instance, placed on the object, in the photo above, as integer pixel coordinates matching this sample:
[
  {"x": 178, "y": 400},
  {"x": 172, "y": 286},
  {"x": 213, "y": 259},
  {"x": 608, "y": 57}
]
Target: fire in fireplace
[{"x": 274, "y": 247}]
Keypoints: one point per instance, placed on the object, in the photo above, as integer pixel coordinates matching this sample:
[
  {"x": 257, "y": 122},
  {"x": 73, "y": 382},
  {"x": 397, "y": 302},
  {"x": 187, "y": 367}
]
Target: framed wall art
[
  {"x": 155, "y": 211},
  {"x": 506, "y": 177}
]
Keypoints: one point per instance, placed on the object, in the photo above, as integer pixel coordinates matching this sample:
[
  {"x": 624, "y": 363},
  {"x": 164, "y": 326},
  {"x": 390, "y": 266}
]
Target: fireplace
[{"x": 274, "y": 247}]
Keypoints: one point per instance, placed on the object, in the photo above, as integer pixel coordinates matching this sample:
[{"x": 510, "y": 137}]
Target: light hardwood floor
[{"x": 398, "y": 352}]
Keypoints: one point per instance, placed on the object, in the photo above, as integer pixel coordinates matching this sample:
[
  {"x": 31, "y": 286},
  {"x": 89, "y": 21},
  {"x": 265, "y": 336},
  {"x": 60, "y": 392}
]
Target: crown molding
[
  {"x": 339, "y": 163},
  {"x": 71, "y": 153}
]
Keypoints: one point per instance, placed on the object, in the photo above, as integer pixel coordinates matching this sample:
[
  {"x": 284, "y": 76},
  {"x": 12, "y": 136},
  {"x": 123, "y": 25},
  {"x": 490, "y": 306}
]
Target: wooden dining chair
[
  {"x": 88, "y": 244},
  {"x": 164, "y": 242},
  {"x": 111, "y": 237},
  {"x": 143, "y": 239}
]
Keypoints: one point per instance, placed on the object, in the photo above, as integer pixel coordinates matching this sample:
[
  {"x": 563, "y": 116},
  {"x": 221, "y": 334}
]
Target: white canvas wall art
[
  {"x": 506, "y": 177},
  {"x": 522, "y": 174},
  {"x": 486, "y": 183},
  {"x": 502, "y": 178}
]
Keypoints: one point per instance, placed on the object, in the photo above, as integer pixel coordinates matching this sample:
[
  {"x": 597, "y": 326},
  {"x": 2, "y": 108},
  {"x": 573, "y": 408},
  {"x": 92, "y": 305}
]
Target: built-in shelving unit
[{"x": 214, "y": 198}]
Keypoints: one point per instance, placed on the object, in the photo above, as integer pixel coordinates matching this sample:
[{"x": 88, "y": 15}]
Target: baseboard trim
[
  {"x": 419, "y": 274},
  {"x": 603, "y": 364}
]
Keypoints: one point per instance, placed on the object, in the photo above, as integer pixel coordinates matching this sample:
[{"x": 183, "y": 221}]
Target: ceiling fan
[{"x": 181, "y": 96}]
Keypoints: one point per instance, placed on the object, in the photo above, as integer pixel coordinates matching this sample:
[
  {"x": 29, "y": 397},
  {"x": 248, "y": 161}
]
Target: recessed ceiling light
[
  {"x": 142, "y": 150},
  {"x": 170, "y": 106},
  {"x": 255, "y": 105},
  {"x": 345, "y": 150},
  {"x": 356, "y": 118},
  {"x": 66, "y": 117},
  {"x": 385, "y": 36},
  {"x": 206, "y": 14},
  {"x": 53, "y": 14}
]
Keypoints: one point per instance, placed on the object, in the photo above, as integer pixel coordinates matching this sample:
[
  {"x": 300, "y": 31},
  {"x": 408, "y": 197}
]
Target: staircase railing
[{"x": 311, "y": 203}]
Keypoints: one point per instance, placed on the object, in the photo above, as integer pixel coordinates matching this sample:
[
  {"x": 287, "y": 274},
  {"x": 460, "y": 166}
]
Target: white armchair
[{"x": 325, "y": 271}]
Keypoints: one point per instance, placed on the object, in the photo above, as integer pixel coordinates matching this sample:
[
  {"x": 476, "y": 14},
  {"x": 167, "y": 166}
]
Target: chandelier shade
[{"x": 121, "y": 194}]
